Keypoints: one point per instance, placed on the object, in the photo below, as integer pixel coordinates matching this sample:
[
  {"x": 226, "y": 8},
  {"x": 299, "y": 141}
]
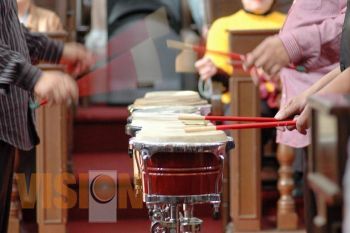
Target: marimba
[{"x": 178, "y": 169}]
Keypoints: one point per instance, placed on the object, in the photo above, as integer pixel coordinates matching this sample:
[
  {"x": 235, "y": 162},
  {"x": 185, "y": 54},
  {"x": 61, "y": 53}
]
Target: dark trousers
[{"x": 7, "y": 157}]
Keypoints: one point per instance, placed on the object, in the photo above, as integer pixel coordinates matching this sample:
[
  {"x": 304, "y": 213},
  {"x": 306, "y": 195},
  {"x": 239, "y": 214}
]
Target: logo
[{"x": 103, "y": 196}]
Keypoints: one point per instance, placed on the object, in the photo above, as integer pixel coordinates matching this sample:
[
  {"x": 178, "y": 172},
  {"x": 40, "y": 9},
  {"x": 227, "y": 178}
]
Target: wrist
[
  {"x": 309, "y": 92},
  {"x": 291, "y": 46},
  {"x": 28, "y": 77}
]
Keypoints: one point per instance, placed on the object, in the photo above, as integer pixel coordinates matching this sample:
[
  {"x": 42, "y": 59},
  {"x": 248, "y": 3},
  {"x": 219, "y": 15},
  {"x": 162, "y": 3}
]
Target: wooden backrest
[
  {"x": 244, "y": 41},
  {"x": 245, "y": 158},
  {"x": 54, "y": 128},
  {"x": 218, "y": 8},
  {"x": 59, "y": 7},
  {"x": 282, "y": 5},
  {"x": 66, "y": 10}
]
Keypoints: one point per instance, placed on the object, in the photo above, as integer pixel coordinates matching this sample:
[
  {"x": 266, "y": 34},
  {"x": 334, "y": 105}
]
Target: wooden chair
[
  {"x": 328, "y": 153},
  {"x": 245, "y": 180}
]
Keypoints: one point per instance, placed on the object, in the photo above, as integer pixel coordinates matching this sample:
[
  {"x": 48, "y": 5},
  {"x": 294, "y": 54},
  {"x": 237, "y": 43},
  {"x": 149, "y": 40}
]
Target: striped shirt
[
  {"x": 19, "y": 50},
  {"x": 311, "y": 36}
]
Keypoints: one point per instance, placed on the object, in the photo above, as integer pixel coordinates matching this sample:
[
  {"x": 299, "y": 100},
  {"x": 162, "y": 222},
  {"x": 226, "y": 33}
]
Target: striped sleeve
[
  {"x": 15, "y": 70},
  {"x": 43, "y": 49}
]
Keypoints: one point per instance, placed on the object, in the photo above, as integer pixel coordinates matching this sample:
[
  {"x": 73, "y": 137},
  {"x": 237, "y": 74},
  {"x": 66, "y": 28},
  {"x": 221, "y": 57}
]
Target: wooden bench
[
  {"x": 328, "y": 154},
  {"x": 245, "y": 164},
  {"x": 51, "y": 158}
]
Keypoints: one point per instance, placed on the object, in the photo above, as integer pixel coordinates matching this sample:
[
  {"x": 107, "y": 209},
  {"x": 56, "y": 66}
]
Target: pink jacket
[{"x": 311, "y": 36}]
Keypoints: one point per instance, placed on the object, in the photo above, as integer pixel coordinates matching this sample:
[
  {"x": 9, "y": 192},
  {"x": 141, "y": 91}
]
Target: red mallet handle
[
  {"x": 233, "y": 56},
  {"x": 240, "y": 126},
  {"x": 225, "y": 118},
  {"x": 44, "y": 102},
  {"x": 35, "y": 105},
  {"x": 256, "y": 125},
  {"x": 235, "y": 118}
]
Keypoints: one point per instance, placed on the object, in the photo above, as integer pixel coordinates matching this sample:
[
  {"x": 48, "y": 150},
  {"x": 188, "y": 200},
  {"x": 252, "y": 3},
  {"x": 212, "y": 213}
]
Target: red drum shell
[{"x": 182, "y": 174}]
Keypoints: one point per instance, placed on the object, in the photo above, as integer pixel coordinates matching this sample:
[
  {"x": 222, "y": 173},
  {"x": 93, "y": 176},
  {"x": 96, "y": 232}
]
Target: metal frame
[{"x": 190, "y": 199}]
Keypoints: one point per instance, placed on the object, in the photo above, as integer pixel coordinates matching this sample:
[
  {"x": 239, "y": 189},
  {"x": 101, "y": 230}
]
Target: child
[
  {"x": 256, "y": 14},
  {"x": 310, "y": 38},
  {"x": 337, "y": 81}
]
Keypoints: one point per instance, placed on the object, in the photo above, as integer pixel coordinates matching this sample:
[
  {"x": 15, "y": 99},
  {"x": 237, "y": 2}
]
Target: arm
[
  {"x": 321, "y": 83},
  {"x": 74, "y": 55},
  {"x": 55, "y": 87},
  {"x": 41, "y": 48},
  {"x": 340, "y": 84},
  {"x": 15, "y": 70},
  {"x": 297, "y": 104},
  {"x": 218, "y": 39},
  {"x": 334, "y": 82},
  {"x": 305, "y": 44},
  {"x": 308, "y": 49},
  {"x": 212, "y": 64}
]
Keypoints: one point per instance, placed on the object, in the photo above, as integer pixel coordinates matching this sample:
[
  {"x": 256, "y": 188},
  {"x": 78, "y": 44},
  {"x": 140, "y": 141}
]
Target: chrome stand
[
  {"x": 188, "y": 223},
  {"x": 170, "y": 219}
]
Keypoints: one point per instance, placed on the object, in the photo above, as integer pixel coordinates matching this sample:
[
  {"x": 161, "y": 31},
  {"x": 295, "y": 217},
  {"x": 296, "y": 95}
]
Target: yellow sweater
[{"x": 218, "y": 38}]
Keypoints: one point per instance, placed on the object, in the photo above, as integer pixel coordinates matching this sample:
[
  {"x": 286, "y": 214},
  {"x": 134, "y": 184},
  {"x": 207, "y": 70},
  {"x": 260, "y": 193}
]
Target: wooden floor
[
  {"x": 229, "y": 230},
  {"x": 275, "y": 231}
]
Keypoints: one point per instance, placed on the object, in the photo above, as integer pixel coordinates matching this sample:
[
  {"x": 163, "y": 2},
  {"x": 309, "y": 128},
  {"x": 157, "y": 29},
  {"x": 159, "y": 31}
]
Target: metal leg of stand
[
  {"x": 168, "y": 218},
  {"x": 189, "y": 224},
  {"x": 173, "y": 225}
]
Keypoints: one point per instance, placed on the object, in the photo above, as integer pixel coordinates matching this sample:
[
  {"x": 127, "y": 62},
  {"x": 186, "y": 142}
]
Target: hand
[
  {"x": 294, "y": 107},
  {"x": 56, "y": 87},
  {"x": 302, "y": 121},
  {"x": 255, "y": 74},
  {"x": 270, "y": 55},
  {"x": 77, "y": 58},
  {"x": 205, "y": 31},
  {"x": 206, "y": 68}
]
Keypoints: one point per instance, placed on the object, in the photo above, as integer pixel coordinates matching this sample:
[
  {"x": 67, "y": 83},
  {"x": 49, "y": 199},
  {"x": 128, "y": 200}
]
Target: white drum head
[
  {"x": 170, "y": 98},
  {"x": 169, "y": 135},
  {"x": 171, "y": 94}
]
